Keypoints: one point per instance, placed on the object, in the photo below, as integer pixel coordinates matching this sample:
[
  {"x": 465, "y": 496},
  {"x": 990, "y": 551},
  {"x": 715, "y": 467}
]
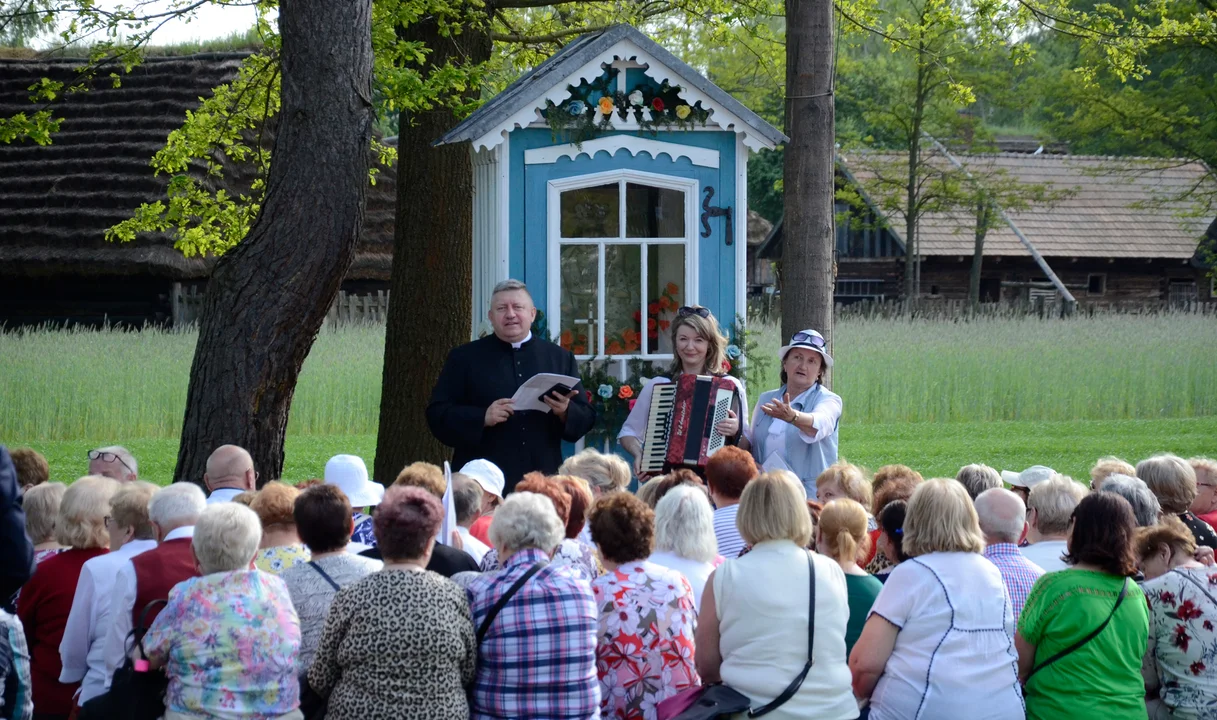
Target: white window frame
[{"x": 554, "y": 242}]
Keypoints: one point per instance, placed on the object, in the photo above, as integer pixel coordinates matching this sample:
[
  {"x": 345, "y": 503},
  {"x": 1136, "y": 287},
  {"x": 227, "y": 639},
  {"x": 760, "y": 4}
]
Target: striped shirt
[
  {"x": 726, "y": 533},
  {"x": 1018, "y": 573},
  {"x": 538, "y": 658},
  {"x": 16, "y": 700}
]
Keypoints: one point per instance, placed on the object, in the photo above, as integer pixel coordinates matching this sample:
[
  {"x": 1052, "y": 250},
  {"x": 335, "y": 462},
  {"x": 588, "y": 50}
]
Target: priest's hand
[
  {"x": 559, "y": 402},
  {"x": 498, "y": 412}
]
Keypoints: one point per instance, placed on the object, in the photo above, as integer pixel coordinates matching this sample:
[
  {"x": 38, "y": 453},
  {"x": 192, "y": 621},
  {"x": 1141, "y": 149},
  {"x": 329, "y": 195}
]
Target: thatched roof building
[{"x": 57, "y": 201}]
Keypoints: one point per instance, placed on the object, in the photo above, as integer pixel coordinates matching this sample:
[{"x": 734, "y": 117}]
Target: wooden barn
[
  {"x": 1120, "y": 236},
  {"x": 58, "y": 200}
]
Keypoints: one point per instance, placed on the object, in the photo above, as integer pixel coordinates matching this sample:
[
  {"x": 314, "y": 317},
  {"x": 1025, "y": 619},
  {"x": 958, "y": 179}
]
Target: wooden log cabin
[
  {"x": 1125, "y": 234},
  {"x": 58, "y": 200}
]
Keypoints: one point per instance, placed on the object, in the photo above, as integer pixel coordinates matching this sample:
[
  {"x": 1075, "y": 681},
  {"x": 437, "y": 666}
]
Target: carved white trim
[
  {"x": 702, "y": 157},
  {"x": 627, "y": 54}
]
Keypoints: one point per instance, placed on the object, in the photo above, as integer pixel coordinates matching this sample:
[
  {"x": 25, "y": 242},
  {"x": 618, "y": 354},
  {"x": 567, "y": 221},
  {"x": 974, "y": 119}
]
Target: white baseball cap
[
  {"x": 1028, "y": 478},
  {"x": 350, "y": 475},
  {"x": 487, "y": 474}
]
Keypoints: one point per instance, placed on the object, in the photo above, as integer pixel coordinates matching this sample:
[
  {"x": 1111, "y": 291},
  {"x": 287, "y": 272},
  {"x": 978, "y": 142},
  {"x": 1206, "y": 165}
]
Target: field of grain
[{"x": 1004, "y": 390}]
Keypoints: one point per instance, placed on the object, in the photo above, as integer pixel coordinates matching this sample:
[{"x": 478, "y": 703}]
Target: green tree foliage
[{"x": 24, "y": 20}]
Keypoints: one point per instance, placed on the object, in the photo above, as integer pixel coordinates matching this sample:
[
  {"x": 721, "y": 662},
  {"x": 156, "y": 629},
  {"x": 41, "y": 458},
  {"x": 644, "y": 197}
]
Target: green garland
[{"x": 653, "y": 109}]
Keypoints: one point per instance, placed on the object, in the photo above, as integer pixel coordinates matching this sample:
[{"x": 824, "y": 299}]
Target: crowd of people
[{"x": 889, "y": 596}]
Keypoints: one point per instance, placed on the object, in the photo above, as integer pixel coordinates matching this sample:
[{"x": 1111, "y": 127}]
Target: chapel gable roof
[{"x": 520, "y": 103}]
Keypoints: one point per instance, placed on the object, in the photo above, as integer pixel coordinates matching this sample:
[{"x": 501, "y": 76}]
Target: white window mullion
[
  {"x": 600, "y": 300},
  {"x": 645, "y": 330}
]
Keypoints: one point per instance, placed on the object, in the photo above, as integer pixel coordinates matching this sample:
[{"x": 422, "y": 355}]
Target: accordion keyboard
[{"x": 655, "y": 444}]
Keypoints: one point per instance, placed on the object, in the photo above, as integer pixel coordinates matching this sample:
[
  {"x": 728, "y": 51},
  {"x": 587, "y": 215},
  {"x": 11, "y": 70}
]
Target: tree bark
[
  {"x": 809, "y": 225},
  {"x": 978, "y": 252},
  {"x": 267, "y": 298},
  {"x": 431, "y": 287}
]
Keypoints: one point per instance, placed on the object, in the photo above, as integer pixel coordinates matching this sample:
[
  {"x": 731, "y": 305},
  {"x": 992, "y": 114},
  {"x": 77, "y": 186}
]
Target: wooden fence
[
  {"x": 348, "y": 308},
  {"x": 932, "y": 309}
]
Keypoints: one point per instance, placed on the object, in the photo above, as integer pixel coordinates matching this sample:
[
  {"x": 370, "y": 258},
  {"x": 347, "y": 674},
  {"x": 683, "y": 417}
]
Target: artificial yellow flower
[{"x": 683, "y": 111}]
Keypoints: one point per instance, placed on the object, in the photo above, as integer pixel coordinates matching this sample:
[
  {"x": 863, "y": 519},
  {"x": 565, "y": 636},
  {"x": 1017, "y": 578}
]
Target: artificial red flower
[
  {"x": 657, "y": 105},
  {"x": 589, "y": 395},
  {"x": 653, "y": 308},
  {"x": 579, "y": 349},
  {"x": 652, "y": 323},
  {"x": 1197, "y": 667},
  {"x": 637, "y": 316},
  {"x": 664, "y": 324},
  {"x": 632, "y": 403},
  {"x": 726, "y": 366},
  {"x": 626, "y": 392},
  {"x": 565, "y": 339}
]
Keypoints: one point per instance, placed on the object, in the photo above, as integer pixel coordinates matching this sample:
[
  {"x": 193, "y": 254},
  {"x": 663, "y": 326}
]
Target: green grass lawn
[{"x": 932, "y": 449}]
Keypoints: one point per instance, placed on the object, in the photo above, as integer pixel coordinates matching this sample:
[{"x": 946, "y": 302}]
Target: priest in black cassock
[{"x": 471, "y": 409}]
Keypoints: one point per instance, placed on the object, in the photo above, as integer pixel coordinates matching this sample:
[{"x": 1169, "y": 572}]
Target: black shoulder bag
[
  {"x": 1078, "y": 645},
  {"x": 717, "y": 701},
  {"x": 499, "y": 604},
  {"x": 134, "y": 694}
]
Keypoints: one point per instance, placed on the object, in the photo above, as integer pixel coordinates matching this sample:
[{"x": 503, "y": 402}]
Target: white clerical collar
[{"x": 516, "y": 345}]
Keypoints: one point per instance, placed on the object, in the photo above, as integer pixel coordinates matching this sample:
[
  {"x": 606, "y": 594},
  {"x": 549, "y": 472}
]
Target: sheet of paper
[
  {"x": 528, "y": 397},
  {"x": 774, "y": 462}
]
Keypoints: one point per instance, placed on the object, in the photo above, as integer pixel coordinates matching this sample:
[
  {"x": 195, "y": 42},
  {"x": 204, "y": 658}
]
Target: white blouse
[{"x": 636, "y": 424}]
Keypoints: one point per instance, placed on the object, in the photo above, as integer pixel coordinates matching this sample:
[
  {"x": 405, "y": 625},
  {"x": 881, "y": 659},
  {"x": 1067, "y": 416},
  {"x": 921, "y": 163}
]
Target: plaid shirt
[
  {"x": 538, "y": 659},
  {"x": 1017, "y": 572}
]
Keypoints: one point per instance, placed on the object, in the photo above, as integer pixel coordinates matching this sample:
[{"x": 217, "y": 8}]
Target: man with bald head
[
  {"x": 1003, "y": 520},
  {"x": 230, "y": 472}
]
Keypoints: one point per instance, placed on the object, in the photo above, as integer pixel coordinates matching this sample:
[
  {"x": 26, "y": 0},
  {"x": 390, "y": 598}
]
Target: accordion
[{"x": 681, "y": 427}]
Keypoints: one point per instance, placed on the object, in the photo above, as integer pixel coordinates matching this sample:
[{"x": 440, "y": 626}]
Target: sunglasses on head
[
  {"x": 107, "y": 457},
  {"x": 807, "y": 338},
  {"x": 697, "y": 310}
]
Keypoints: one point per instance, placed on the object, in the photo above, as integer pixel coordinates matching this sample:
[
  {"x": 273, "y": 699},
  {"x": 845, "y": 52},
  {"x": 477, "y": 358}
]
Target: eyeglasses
[
  {"x": 107, "y": 519},
  {"x": 108, "y": 457},
  {"x": 805, "y": 337},
  {"x": 697, "y": 310}
]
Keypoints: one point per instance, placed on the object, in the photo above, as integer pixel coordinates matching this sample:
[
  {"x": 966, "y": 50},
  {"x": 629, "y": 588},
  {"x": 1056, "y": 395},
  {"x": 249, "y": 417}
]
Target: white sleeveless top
[{"x": 762, "y": 600}]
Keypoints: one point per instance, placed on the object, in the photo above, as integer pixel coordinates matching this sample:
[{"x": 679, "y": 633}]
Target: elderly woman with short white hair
[
  {"x": 1173, "y": 482},
  {"x": 1145, "y": 506},
  {"x": 219, "y": 663},
  {"x": 537, "y": 657},
  {"x": 684, "y": 536}
]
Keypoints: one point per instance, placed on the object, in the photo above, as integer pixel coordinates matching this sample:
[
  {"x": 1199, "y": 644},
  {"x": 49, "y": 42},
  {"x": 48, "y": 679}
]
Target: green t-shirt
[
  {"x": 862, "y": 589},
  {"x": 1101, "y": 679}
]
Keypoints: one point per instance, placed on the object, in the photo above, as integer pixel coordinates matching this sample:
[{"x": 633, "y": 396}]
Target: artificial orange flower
[
  {"x": 606, "y": 105},
  {"x": 630, "y": 336},
  {"x": 614, "y": 348},
  {"x": 664, "y": 324},
  {"x": 566, "y": 339},
  {"x": 626, "y": 392},
  {"x": 671, "y": 289},
  {"x": 579, "y": 349},
  {"x": 651, "y": 324}
]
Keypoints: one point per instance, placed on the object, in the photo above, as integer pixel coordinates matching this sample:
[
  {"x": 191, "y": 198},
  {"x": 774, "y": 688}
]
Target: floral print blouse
[
  {"x": 362, "y": 531},
  {"x": 228, "y": 642},
  {"x": 1183, "y": 641},
  {"x": 275, "y": 560},
  {"x": 645, "y": 649}
]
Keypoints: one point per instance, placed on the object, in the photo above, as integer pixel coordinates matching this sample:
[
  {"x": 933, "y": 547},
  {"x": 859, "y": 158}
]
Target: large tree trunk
[
  {"x": 809, "y": 227},
  {"x": 267, "y": 298},
  {"x": 978, "y": 253},
  {"x": 431, "y": 287}
]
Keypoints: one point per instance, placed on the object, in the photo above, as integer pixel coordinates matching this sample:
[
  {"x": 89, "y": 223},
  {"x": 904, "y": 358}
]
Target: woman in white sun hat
[
  {"x": 350, "y": 475},
  {"x": 795, "y": 426}
]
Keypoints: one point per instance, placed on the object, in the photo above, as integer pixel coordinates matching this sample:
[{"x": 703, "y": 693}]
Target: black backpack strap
[
  {"x": 504, "y": 598},
  {"x": 1077, "y": 645},
  {"x": 797, "y": 683},
  {"x": 325, "y": 575}
]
